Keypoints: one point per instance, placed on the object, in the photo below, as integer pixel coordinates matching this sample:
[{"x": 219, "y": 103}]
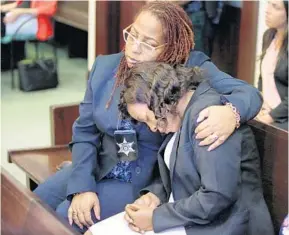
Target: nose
[{"x": 135, "y": 47}]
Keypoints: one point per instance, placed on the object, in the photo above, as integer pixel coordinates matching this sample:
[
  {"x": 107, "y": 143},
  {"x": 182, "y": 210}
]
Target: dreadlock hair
[
  {"x": 159, "y": 85},
  {"x": 178, "y": 35}
]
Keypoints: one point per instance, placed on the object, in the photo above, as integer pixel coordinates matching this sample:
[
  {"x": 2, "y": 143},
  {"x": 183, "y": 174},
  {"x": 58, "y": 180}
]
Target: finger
[
  {"x": 76, "y": 221},
  {"x": 217, "y": 143},
  {"x": 203, "y": 114},
  {"x": 153, "y": 205},
  {"x": 87, "y": 217},
  {"x": 127, "y": 218},
  {"x": 134, "y": 228},
  {"x": 203, "y": 125},
  {"x": 206, "y": 132},
  {"x": 130, "y": 213},
  {"x": 144, "y": 200},
  {"x": 209, "y": 140},
  {"x": 135, "y": 207},
  {"x": 70, "y": 220},
  {"x": 139, "y": 201},
  {"x": 96, "y": 209},
  {"x": 81, "y": 219}
]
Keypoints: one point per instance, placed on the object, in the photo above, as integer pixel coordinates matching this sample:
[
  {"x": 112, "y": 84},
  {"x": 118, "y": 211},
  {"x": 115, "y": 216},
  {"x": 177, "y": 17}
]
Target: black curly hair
[{"x": 159, "y": 85}]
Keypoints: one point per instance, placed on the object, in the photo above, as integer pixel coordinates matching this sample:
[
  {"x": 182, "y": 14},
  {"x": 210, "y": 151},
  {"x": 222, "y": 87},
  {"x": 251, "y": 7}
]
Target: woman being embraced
[{"x": 206, "y": 192}]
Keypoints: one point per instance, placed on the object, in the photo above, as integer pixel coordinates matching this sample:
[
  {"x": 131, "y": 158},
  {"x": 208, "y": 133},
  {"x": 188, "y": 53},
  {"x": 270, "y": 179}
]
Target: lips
[{"x": 131, "y": 61}]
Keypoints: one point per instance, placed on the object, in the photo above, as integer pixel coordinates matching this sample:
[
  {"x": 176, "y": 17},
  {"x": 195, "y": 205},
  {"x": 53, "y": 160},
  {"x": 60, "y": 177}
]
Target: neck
[
  {"x": 183, "y": 103},
  {"x": 279, "y": 37}
]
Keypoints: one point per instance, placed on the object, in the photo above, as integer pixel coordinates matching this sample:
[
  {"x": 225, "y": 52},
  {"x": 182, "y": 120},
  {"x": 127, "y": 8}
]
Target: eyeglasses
[{"x": 130, "y": 39}]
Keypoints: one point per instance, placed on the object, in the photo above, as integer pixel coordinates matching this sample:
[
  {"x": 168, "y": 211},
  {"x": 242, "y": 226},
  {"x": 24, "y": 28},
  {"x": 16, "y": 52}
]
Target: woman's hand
[
  {"x": 265, "y": 118},
  {"x": 264, "y": 114},
  {"x": 217, "y": 123},
  {"x": 80, "y": 208},
  {"x": 141, "y": 217},
  {"x": 149, "y": 199}
]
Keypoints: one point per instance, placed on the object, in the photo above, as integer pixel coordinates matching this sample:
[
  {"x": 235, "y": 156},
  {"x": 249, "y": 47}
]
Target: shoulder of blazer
[
  {"x": 108, "y": 62},
  {"x": 197, "y": 58}
]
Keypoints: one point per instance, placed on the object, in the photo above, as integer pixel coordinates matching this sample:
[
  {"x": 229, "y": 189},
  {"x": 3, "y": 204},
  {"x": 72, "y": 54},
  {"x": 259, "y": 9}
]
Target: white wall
[
  {"x": 91, "y": 33},
  {"x": 261, "y": 29}
]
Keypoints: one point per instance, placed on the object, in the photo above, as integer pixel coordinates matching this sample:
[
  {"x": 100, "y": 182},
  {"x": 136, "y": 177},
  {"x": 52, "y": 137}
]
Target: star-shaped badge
[{"x": 125, "y": 147}]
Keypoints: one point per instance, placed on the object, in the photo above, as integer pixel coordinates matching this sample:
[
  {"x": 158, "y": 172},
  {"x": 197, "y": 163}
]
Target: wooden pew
[
  {"x": 272, "y": 145},
  {"x": 22, "y": 212},
  {"x": 62, "y": 118}
]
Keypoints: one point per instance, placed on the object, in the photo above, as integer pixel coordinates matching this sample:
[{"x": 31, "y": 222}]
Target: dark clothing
[
  {"x": 216, "y": 192},
  {"x": 94, "y": 152},
  {"x": 280, "y": 113},
  {"x": 205, "y": 16}
]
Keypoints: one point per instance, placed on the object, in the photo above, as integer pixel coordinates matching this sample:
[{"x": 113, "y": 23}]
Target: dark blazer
[
  {"x": 93, "y": 148},
  {"x": 280, "y": 113},
  {"x": 217, "y": 192}
]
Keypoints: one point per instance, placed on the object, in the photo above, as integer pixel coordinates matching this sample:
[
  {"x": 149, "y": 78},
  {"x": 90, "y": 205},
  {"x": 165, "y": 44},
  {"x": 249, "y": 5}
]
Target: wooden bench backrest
[
  {"x": 62, "y": 118},
  {"x": 272, "y": 144},
  {"x": 22, "y": 212}
]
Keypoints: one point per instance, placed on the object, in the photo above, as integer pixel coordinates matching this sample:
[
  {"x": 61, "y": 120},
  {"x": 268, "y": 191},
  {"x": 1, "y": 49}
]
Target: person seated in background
[
  {"x": 205, "y": 17},
  {"x": 273, "y": 81},
  {"x": 27, "y": 20},
  {"x": 206, "y": 192}
]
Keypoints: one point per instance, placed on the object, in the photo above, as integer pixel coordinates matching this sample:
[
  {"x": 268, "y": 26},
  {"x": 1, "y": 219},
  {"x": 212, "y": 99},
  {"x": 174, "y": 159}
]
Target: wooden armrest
[
  {"x": 24, "y": 213},
  {"x": 62, "y": 118},
  {"x": 40, "y": 163}
]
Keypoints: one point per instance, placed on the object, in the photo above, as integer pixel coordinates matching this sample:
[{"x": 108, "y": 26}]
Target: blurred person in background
[
  {"x": 273, "y": 81},
  {"x": 34, "y": 18},
  {"x": 205, "y": 17}
]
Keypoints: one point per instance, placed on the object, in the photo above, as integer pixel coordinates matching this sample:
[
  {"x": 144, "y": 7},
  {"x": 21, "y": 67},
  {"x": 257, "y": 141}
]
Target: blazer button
[{"x": 138, "y": 170}]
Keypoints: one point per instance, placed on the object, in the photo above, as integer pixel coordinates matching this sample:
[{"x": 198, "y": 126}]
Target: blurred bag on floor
[{"x": 39, "y": 73}]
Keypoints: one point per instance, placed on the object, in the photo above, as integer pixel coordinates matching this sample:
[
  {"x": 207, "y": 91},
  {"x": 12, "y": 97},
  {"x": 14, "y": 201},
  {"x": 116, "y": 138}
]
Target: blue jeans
[{"x": 113, "y": 195}]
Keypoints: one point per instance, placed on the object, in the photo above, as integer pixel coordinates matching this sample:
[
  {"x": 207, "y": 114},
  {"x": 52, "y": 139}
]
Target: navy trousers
[{"x": 113, "y": 196}]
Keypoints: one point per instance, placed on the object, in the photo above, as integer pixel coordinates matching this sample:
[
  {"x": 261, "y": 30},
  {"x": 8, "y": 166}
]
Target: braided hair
[
  {"x": 159, "y": 85},
  {"x": 178, "y": 35}
]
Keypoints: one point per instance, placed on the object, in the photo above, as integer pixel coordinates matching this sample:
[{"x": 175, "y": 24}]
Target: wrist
[{"x": 236, "y": 114}]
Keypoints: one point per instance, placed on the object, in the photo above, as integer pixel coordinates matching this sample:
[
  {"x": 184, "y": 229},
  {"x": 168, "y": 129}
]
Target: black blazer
[
  {"x": 280, "y": 113},
  {"x": 217, "y": 192}
]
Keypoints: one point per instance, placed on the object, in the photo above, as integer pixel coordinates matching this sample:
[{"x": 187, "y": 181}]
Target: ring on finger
[{"x": 215, "y": 137}]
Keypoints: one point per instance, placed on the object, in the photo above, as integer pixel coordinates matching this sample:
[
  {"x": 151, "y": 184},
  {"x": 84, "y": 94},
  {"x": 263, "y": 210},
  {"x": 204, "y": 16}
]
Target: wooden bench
[
  {"x": 22, "y": 212},
  {"x": 272, "y": 145}
]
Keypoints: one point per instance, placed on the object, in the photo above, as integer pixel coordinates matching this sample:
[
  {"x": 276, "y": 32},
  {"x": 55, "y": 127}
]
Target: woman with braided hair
[
  {"x": 112, "y": 159},
  {"x": 201, "y": 192}
]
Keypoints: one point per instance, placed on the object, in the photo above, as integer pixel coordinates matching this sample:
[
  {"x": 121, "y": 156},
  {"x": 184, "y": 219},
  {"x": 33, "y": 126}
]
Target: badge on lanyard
[{"x": 126, "y": 143}]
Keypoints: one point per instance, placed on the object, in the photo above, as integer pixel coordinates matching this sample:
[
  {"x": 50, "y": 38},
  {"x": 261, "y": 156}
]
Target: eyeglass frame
[{"x": 135, "y": 40}]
